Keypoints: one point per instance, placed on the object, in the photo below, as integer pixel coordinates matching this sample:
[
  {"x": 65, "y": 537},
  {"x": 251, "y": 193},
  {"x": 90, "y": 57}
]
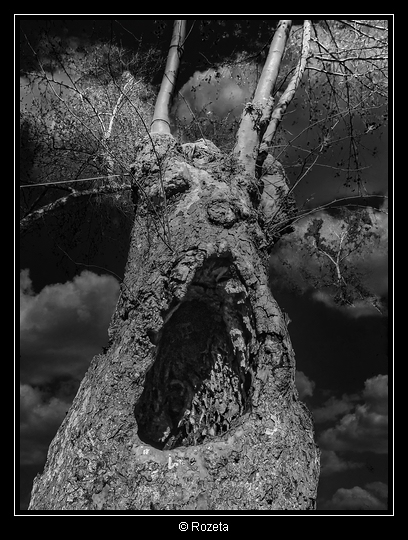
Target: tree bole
[{"x": 194, "y": 405}]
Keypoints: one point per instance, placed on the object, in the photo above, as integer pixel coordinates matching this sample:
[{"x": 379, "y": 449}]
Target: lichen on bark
[{"x": 194, "y": 405}]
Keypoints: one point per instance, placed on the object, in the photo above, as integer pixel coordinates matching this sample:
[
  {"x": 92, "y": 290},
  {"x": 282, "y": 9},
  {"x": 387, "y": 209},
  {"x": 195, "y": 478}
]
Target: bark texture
[{"x": 194, "y": 405}]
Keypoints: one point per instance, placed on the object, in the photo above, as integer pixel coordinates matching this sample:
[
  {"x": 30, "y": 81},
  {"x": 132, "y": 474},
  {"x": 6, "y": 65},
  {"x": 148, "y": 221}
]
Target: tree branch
[
  {"x": 161, "y": 120},
  {"x": 287, "y": 95},
  {"x": 282, "y": 225},
  {"x": 249, "y": 132},
  {"x": 116, "y": 107},
  {"x": 30, "y": 219}
]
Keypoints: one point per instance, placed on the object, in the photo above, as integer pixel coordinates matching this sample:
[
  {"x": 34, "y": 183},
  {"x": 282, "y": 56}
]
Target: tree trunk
[{"x": 194, "y": 405}]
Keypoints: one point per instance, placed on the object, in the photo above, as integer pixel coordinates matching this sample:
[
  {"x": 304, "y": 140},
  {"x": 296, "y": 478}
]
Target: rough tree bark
[{"x": 194, "y": 405}]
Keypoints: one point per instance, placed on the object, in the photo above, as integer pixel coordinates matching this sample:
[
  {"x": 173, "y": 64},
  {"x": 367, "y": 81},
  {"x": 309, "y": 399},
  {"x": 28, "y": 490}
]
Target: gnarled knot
[
  {"x": 226, "y": 211},
  {"x": 221, "y": 212}
]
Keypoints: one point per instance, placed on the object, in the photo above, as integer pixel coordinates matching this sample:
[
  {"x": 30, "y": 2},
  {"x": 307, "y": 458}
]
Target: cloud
[
  {"x": 211, "y": 102},
  {"x": 334, "y": 407},
  {"x": 39, "y": 420},
  {"x": 25, "y": 283},
  {"x": 304, "y": 385},
  {"x": 219, "y": 91},
  {"x": 378, "y": 488},
  {"x": 376, "y": 393},
  {"x": 64, "y": 325},
  {"x": 360, "y": 308},
  {"x": 363, "y": 429},
  {"x": 61, "y": 328},
  {"x": 372, "y": 497},
  {"x": 360, "y": 425},
  {"x": 298, "y": 263},
  {"x": 330, "y": 463}
]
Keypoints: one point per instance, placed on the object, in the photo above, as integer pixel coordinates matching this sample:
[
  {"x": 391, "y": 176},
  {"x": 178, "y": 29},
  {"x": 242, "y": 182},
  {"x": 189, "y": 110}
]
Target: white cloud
[
  {"x": 376, "y": 393},
  {"x": 334, "y": 407},
  {"x": 331, "y": 462},
  {"x": 378, "y": 488},
  {"x": 358, "y": 498},
  {"x": 25, "y": 283},
  {"x": 298, "y": 264},
  {"x": 365, "y": 428},
  {"x": 39, "y": 420},
  {"x": 64, "y": 325},
  {"x": 363, "y": 308},
  {"x": 219, "y": 92},
  {"x": 304, "y": 385},
  {"x": 61, "y": 329},
  {"x": 35, "y": 412}
]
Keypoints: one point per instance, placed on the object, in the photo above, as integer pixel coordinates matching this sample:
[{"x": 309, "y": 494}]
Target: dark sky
[{"x": 342, "y": 360}]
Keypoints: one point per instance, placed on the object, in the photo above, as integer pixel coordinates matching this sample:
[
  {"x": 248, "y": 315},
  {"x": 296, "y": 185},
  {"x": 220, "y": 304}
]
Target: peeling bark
[{"x": 194, "y": 405}]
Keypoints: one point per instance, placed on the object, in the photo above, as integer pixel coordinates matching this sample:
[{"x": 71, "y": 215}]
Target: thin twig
[
  {"x": 90, "y": 265},
  {"x": 71, "y": 181}
]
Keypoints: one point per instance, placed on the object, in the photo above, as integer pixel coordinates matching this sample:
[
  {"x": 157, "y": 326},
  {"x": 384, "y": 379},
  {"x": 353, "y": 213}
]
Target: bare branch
[
  {"x": 288, "y": 222},
  {"x": 335, "y": 263},
  {"x": 161, "y": 122},
  {"x": 249, "y": 132},
  {"x": 72, "y": 181},
  {"x": 288, "y": 94},
  {"x": 368, "y": 25},
  {"x": 27, "y": 221}
]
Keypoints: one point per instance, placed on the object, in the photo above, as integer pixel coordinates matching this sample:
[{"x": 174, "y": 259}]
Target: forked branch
[
  {"x": 287, "y": 95},
  {"x": 257, "y": 113}
]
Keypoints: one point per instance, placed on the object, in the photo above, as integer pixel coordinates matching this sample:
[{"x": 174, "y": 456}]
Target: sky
[{"x": 341, "y": 352}]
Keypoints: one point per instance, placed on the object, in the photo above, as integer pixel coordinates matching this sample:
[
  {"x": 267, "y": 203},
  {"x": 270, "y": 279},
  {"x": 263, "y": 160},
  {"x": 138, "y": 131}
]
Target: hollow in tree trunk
[{"x": 194, "y": 405}]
